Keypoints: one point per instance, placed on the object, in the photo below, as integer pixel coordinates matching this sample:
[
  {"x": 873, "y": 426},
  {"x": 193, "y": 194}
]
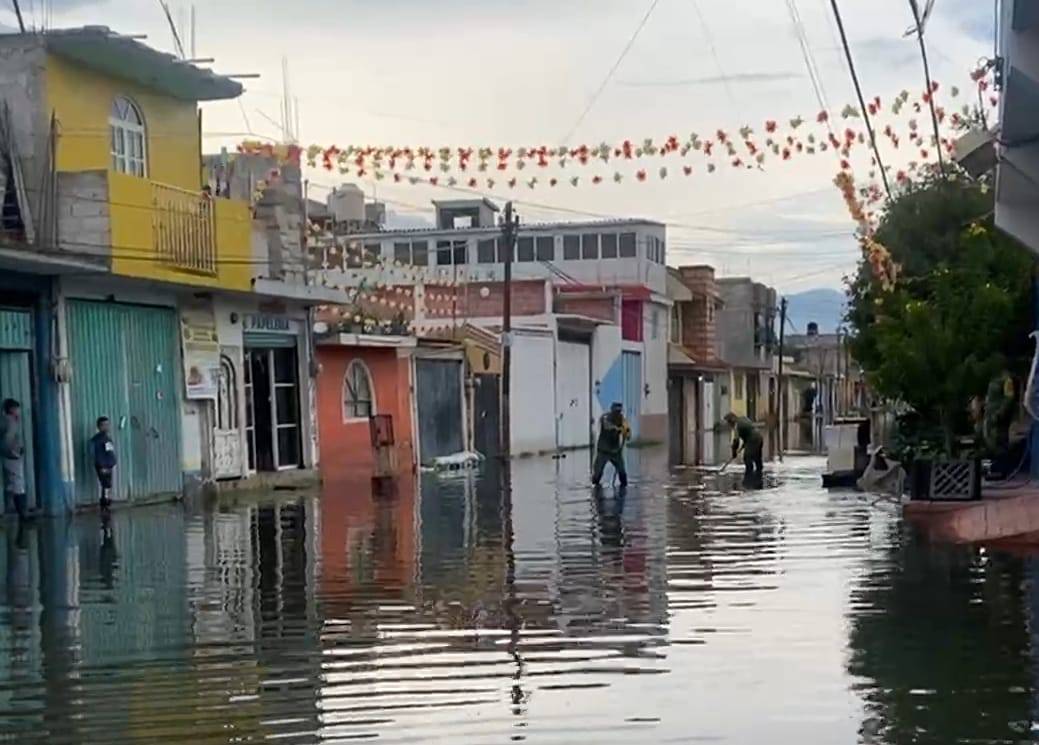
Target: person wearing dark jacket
[
  {"x": 614, "y": 432},
  {"x": 103, "y": 450},
  {"x": 752, "y": 444},
  {"x": 12, "y": 456}
]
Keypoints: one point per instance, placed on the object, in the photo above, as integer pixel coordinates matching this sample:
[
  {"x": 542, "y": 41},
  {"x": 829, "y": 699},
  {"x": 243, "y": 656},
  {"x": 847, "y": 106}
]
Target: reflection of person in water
[
  {"x": 611, "y": 518},
  {"x": 107, "y": 556}
]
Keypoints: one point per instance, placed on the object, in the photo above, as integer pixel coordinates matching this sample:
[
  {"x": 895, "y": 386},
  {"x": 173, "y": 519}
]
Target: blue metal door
[
  {"x": 632, "y": 368},
  {"x": 438, "y": 387}
]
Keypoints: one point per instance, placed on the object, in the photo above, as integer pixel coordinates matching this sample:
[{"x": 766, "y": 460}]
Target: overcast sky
[{"x": 520, "y": 72}]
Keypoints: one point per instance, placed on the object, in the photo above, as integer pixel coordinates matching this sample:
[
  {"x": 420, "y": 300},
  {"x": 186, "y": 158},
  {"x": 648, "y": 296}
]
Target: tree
[{"x": 960, "y": 312}]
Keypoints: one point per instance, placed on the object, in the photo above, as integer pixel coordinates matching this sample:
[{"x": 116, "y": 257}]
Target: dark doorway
[
  {"x": 486, "y": 415},
  {"x": 261, "y": 449},
  {"x": 676, "y": 420}
]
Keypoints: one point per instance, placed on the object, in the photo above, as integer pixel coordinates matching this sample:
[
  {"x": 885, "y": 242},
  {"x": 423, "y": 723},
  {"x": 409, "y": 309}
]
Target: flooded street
[{"x": 688, "y": 611}]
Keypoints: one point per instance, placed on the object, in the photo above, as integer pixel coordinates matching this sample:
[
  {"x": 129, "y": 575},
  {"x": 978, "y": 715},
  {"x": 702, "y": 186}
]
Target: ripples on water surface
[{"x": 691, "y": 611}]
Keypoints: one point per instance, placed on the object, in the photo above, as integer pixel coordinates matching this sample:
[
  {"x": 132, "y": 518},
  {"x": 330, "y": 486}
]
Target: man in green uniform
[
  {"x": 614, "y": 432},
  {"x": 743, "y": 430}
]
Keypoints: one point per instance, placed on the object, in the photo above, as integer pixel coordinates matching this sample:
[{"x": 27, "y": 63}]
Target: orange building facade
[{"x": 358, "y": 381}]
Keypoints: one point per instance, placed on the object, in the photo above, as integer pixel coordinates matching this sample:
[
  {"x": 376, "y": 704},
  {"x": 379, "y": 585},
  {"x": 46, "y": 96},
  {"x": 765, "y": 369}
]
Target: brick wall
[
  {"x": 528, "y": 299},
  {"x": 699, "y": 320},
  {"x": 603, "y": 308}
]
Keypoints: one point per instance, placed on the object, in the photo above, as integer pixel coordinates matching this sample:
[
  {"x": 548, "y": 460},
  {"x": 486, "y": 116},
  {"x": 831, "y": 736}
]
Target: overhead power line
[
  {"x": 612, "y": 72},
  {"x": 858, "y": 92},
  {"x": 920, "y": 20}
]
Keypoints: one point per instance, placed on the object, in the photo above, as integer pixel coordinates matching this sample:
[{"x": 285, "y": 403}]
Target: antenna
[{"x": 173, "y": 27}]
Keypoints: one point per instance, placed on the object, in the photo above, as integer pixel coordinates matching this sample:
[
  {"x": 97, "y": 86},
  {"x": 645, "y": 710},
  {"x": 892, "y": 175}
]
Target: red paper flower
[
  {"x": 901, "y": 177},
  {"x": 596, "y": 179},
  {"x": 786, "y": 153},
  {"x": 687, "y": 170},
  {"x": 552, "y": 182},
  {"x": 770, "y": 126},
  {"x": 845, "y": 165},
  {"x": 472, "y": 183},
  {"x": 641, "y": 175},
  {"x": 433, "y": 181},
  {"x": 822, "y": 117}
]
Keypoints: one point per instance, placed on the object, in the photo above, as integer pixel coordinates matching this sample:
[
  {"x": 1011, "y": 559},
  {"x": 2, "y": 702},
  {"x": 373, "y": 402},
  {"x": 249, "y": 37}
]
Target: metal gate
[
  {"x": 632, "y": 368},
  {"x": 487, "y": 414},
  {"x": 574, "y": 394},
  {"x": 16, "y": 382},
  {"x": 438, "y": 388},
  {"x": 125, "y": 366}
]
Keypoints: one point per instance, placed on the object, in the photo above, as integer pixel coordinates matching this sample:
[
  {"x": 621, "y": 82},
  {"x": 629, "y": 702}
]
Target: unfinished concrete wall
[
  {"x": 23, "y": 62},
  {"x": 84, "y": 225}
]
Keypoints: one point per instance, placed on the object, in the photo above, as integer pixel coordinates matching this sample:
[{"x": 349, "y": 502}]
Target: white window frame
[
  {"x": 123, "y": 134},
  {"x": 347, "y": 417}
]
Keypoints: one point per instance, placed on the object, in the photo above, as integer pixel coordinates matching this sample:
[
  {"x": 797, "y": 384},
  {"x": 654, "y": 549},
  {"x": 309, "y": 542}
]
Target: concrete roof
[
  {"x": 100, "y": 49},
  {"x": 527, "y": 227}
]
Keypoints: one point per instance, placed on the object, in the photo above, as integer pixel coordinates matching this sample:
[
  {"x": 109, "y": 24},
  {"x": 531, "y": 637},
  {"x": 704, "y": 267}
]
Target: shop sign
[
  {"x": 265, "y": 322},
  {"x": 200, "y": 348}
]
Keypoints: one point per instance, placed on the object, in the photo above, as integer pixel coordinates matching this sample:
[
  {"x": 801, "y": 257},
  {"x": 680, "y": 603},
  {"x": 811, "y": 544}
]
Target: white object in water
[{"x": 463, "y": 461}]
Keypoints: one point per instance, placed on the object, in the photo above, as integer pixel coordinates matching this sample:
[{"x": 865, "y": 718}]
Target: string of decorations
[{"x": 745, "y": 148}]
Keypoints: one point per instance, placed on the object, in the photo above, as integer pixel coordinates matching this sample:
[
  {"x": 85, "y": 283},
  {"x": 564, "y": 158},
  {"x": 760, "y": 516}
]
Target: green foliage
[{"x": 960, "y": 312}]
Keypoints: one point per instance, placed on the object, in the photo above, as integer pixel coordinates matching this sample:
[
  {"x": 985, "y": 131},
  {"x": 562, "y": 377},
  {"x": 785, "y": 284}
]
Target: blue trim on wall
[{"x": 51, "y": 490}]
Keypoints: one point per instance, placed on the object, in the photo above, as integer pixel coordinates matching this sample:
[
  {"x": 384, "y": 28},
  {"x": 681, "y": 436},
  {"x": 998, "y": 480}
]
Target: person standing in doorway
[
  {"x": 752, "y": 443},
  {"x": 104, "y": 459},
  {"x": 12, "y": 453},
  {"x": 614, "y": 433}
]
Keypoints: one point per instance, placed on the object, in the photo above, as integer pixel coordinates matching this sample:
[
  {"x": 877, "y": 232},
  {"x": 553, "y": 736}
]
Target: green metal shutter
[
  {"x": 98, "y": 389},
  {"x": 124, "y": 366},
  {"x": 152, "y": 362}
]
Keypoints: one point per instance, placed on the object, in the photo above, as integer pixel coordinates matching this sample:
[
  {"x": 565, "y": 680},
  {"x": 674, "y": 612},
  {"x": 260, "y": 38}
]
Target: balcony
[
  {"x": 142, "y": 228},
  {"x": 184, "y": 228}
]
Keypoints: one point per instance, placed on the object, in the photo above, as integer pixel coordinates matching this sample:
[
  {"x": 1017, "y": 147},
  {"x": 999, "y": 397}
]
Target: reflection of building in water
[
  {"x": 918, "y": 599},
  {"x": 367, "y": 546}
]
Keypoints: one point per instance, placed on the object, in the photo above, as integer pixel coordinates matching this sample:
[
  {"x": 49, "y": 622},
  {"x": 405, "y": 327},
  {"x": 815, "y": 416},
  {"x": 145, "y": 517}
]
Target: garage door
[{"x": 574, "y": 394}]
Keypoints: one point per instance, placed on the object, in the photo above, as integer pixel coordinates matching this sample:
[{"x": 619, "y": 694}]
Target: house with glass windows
[
  {"x": 129, "y": 290},
  {"x": 589, "y": 301}
]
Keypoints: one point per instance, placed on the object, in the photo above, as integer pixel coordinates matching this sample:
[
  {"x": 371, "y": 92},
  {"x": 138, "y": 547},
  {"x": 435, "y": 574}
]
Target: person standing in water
[
  {"x": 103, "y": 448},
  {"x": 12, "y": 454},
  {"x": 753, "y": 445},
  {"x": 614, "y": 433}
]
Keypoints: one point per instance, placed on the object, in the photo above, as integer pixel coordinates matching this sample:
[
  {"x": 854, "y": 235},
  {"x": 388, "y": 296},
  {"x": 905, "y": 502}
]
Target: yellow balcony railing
[{"x": 184, "y": 228}]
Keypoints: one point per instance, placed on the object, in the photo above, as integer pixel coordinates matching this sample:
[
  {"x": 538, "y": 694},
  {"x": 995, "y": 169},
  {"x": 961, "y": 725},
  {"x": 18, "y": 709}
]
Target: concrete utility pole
[
  {"x": 782, "y": 394},
  {"x": 509, "y": 226}
]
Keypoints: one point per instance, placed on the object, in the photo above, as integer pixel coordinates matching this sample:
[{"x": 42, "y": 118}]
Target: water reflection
[{"x": 683, "y": 608}]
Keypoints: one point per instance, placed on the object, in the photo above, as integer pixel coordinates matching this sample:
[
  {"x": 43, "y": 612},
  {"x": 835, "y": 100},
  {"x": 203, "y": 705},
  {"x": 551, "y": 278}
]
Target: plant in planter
[{"x": 958, "y": 316}]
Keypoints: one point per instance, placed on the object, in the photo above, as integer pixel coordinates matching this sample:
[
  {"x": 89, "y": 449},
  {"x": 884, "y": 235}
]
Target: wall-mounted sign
[
  {"x": 277, "y": 324},
  {"x": 200, "y": 347}
]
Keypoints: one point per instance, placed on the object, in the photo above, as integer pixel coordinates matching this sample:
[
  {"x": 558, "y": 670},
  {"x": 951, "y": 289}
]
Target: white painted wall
[
  {"x": 654, "y": 357},
  {"x": 533, "y": 411},
  {"x": 606, "y": 351}
]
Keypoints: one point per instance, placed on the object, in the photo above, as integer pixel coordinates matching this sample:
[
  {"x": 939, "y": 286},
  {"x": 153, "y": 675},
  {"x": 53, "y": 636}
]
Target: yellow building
[{"x": 180, "y": 315}]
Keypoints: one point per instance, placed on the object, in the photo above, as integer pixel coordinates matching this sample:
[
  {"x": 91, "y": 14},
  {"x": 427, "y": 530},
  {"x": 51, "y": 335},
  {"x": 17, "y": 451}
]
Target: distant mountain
[{"x": 825, "y": 306}]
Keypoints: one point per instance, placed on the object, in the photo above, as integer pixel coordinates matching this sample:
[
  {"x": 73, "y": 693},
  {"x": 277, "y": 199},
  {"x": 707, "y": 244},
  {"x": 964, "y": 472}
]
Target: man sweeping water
[
  {"x": 750, "y": 439},
  {"x": 614, "y": 433}
]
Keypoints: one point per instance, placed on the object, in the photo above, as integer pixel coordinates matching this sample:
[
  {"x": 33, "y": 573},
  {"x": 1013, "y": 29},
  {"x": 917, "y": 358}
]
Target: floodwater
[{"x": 688, "y": 611}]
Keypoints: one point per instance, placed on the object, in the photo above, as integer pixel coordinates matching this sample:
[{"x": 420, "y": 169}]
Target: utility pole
[
  {"x": 782, "y": 390},
  {"x": 18, "y": 12},
  {"x": 509, "y": 226}
]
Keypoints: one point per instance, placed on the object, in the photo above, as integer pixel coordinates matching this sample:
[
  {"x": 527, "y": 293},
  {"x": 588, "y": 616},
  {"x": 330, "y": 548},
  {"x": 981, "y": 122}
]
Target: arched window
[
  {"x": 126, "y": 126},
  {"x": 358, "y": 399}
]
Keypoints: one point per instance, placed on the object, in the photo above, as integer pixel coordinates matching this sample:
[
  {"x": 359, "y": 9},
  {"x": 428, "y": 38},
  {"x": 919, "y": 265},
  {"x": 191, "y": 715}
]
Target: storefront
[{"x": 271, "y": 377}]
